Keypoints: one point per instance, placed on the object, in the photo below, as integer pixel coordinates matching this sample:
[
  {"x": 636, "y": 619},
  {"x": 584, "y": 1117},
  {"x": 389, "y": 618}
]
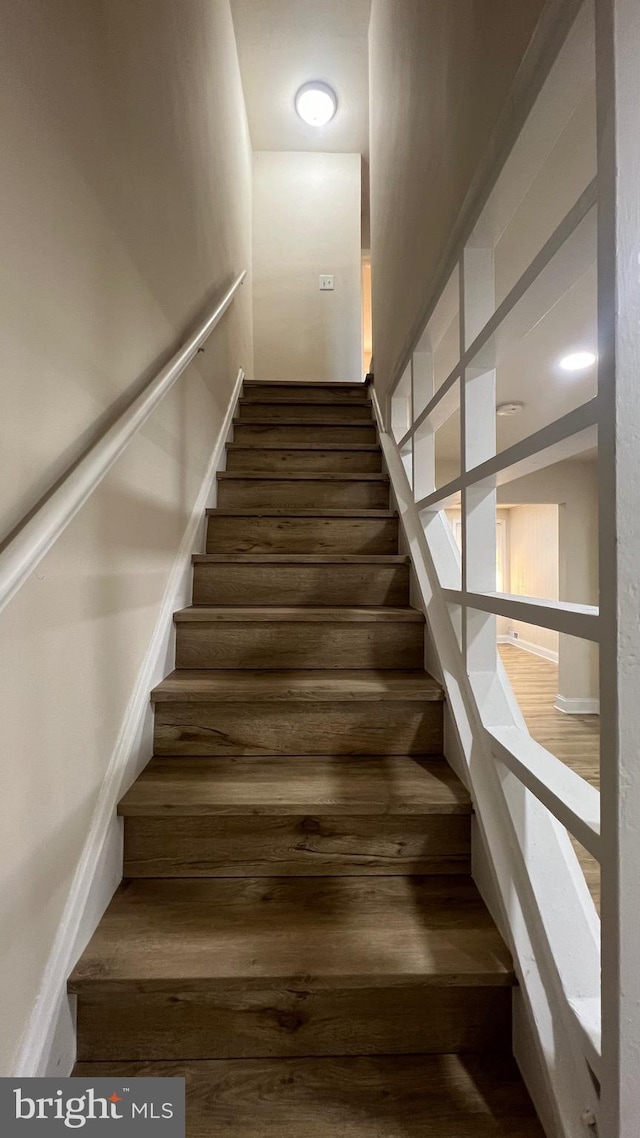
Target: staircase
[{"x": 298, "y": 933}]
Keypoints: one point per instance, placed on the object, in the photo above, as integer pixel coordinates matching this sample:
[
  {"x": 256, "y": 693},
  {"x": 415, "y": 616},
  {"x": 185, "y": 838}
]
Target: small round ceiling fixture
[
  {"x": 316, "y": 103},
  {"x": 577, "y": 361},
  {"x": 509, "y": 408}
]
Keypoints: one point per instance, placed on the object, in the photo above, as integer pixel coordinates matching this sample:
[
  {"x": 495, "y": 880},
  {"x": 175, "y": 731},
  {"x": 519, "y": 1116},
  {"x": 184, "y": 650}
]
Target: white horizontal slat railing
[
  {"x": 32, "y": 541},
  {"x": 528, "y": 802},
  {"x": 570, "y": 798},
  {"x": 561, "y": 616},
  {"x": 572, "y": 434}
]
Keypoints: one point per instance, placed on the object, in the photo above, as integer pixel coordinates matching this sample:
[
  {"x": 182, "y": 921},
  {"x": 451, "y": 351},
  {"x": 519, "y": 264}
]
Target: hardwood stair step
[
  {"x": 308, "y": 383},
  {"x": 352, "y": 932},
  {"x": 331, "y": 458},
  {"x": 302, "y": 512},
  {"x": 321, "y": 398},
  {"x": 282, "y": 559},
  {"x": 307, "y": 845},
  {"x": 367, "y": 685},
  {"x": 250, "y": 530},
  {"x": 337, "y": 392},
  {"x": 269, "y": 614},
  {"x": 293, "y": 712},
  {"x": 292, "y": 966},
  {"x": 303, "y": 579},
  {"x": 284, "y": 433},
  {"x": 304, "y": 489},
  {"x": 307, "y": 816},
  {"x": 357, "y": 411},
  {"x": 369, "y": 1096},
  {"x": 304, "y": 784},
  {"x": 298, "y": 637}
]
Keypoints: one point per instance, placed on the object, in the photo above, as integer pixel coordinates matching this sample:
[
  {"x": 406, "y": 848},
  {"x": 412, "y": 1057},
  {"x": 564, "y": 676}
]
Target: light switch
[{"x": 326, "y": 282}]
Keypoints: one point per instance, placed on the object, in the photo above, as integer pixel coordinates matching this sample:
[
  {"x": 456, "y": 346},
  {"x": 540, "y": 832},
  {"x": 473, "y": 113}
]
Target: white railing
[
  {"x": 524, "y": 798},
  {"x": 527, "y": 800},
  {"x": 23, "y": 552}
]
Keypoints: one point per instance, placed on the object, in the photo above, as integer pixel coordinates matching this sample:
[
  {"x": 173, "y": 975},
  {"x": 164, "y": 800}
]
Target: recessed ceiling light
[
  {"x": 316, "y": 103},
  {"x": 577, "y": 361},
  {"x": 509, "y": 408}
]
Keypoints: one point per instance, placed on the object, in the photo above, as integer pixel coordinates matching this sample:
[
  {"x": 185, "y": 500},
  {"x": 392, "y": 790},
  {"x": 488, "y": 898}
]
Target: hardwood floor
[{"x": 575, "y": 739}]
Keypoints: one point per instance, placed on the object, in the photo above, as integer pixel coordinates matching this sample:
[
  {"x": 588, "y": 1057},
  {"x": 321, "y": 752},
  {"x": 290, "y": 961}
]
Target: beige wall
[
  {"x": 534, "y": 566},
  {"x": 125, "y": 209},
  {"x": 306, "y": 221},
  {"x": 573, "y": 485},
  {"x": 440, "y": 74}
]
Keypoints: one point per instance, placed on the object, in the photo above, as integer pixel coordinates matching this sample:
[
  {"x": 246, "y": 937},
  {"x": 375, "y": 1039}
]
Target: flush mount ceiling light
[
  {"x": 509, "y": 408},
  {"x": 316, "y": 103},
  {"x": 577, "y": 361}
]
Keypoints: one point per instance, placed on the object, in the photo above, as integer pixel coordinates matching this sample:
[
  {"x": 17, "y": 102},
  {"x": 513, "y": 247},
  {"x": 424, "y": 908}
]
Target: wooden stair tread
[
  {"x": 299, "y": 476},
  {"x": 323, "y": 784},
  {"x": 312, "y": 399},
  {"x": 304, "y": 447},
  {"x": 311, "y": 384},
  {"x": 318, "y": 421},
  {"x": 372, "y": 1096},
  {"x": 349, "y": 931},
  {"x": 315, "y": 685},
  {"x": 299, "y": 613},
  {"x": 292, "y": 512},
  {"x": 300, "y": 559}
]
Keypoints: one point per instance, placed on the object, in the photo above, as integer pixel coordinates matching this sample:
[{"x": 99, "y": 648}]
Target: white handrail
[{"x": 30, "y": 544}]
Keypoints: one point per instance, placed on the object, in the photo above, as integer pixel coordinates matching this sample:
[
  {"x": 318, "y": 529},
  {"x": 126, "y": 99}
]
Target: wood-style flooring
[
  {"x": 298, "y": 933},
  {"x": 575, "y": 739},
  {"x": 368, "y": 1096}
]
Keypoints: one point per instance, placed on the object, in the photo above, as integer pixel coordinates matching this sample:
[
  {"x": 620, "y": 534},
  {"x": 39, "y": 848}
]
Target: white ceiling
[
  {"x": 285, "y": 43},
  {"x": 527, "y": 369}
]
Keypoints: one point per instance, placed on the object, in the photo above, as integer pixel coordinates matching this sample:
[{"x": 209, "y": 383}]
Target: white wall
[
  {"x": 306, "y": 221},
  {"x": 126, "y": 208}
]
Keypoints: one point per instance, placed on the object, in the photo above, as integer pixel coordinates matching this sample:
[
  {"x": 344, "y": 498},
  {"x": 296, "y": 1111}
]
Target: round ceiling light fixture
[
  {"x": 316, "y": 103},
  {"x": 577, "y": 361},
  {"x": 509, "y": 408}
]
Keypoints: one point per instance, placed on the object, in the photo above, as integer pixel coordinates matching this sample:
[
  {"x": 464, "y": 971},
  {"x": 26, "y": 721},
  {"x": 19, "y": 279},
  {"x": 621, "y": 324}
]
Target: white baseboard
[
  {"x": 48, "y": 1046},
  {"x": 529, "y": 646},
  {"x": 577, "y": 705}
]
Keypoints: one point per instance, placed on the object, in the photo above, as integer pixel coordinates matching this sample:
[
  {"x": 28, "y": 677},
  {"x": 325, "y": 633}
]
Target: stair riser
[
  {"x": 239, "y": 584},
  {"x": 387, "y": 727},
  {"x": 303, "y": 495},
  {"x": 266, "y": 392},
  {"x": 253, "y": 434},
  {"x": 298, "y": 644},
  {"x": 316, "y": 413},
  {"x": 305, "y": 461},
  {"x": 302, "y": 535},
  {"x": 123, "y": 1023},
  {"x": 305, "y": 846}
]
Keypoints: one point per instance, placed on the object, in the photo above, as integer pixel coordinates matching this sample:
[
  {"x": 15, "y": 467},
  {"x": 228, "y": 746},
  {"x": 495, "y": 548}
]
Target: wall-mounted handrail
[{"x": 35, "y": 538}]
